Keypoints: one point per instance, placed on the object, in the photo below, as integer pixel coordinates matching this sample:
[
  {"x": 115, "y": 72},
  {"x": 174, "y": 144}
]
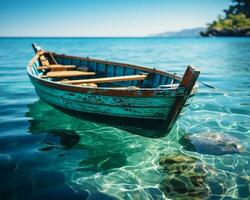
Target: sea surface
[{"x": 46, "y": 154}]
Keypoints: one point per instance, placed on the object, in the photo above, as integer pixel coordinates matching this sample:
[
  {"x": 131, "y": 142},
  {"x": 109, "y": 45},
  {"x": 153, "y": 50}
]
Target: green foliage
[
  {"x": 231, "y": 21},
  {"x": 237, "y": 16},
  {"x": 239, "y": 6}
]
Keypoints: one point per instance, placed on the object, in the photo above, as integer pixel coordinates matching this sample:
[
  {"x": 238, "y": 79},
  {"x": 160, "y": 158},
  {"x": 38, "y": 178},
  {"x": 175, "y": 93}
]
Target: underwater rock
[
  {"x": 212, "y": 143},
  {"x": 186, "y": 177},
  {"x": 166, "y": 161},
  {"x": 191, "y": 178},
  {"x": 60, "y": 137}
]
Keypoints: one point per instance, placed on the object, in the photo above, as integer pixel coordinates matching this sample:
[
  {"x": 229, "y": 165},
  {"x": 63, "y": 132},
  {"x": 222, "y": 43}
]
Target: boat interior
[{"x": 88, "y": 72}]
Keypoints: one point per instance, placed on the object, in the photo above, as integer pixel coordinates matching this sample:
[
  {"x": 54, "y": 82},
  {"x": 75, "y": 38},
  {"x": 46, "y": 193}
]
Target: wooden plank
[
  {"x": 59, "y": 74},
  {"x": 51, "y": 67},
  {"x": 188, "y": 81},
  {"x": 107, "y": 79}
]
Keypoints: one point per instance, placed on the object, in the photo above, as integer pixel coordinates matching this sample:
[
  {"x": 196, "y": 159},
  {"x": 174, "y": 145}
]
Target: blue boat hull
[{"x": 134, "y": 107}]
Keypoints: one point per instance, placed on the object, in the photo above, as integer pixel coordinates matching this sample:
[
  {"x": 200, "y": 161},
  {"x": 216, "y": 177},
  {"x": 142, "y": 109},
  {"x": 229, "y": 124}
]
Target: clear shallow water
[{"x": 46, "y": 153}]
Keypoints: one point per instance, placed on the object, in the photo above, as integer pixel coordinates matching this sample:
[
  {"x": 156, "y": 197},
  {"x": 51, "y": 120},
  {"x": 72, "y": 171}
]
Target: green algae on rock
[
  {"x": 187, "y": 177},
  {"x": 191, "y": 178}
]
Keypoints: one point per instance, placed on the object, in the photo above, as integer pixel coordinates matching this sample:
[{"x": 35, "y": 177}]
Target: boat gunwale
[{"x": 106, "y": 90}]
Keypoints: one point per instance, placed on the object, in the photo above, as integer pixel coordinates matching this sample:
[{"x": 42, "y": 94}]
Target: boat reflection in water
[{"x": 45, "y": 118}]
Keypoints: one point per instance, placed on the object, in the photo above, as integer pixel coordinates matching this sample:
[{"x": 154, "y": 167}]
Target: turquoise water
[{"x": 45, "y": 153}]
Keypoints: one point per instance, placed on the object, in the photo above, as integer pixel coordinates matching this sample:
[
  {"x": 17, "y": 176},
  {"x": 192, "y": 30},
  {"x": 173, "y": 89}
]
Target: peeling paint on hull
[{"x": 134, "y": 107}]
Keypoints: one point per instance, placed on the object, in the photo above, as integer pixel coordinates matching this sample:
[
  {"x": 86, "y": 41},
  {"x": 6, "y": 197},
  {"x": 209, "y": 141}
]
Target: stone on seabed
[{"x": 212, "y": 143}]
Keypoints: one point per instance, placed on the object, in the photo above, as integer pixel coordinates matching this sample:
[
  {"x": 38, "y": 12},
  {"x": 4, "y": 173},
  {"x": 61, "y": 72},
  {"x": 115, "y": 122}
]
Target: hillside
[{"x": 195, "y": 32}]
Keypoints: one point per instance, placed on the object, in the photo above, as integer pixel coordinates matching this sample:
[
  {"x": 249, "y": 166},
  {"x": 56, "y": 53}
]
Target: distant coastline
[{"x": 194, "y": 32}]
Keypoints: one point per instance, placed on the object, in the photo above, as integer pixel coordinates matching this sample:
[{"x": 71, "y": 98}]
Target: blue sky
[{"x": 104, "y": 17}]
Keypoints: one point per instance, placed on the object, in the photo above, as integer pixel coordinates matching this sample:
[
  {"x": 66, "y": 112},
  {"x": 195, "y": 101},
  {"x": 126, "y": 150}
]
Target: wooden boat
[{"x": 83, "y": 86}]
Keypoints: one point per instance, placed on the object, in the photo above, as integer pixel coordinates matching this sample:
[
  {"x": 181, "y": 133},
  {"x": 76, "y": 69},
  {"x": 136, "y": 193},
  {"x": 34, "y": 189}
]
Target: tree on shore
[
  {"x": 236, "y": 21},
  {"x": 240, "y": 6}
]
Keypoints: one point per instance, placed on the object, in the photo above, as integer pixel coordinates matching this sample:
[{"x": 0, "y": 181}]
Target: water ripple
[{"x": 99, "y": 160}]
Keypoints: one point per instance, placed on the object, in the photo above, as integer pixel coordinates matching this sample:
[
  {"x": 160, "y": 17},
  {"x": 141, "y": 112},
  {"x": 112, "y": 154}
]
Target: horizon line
[
  {"x": 151, "y": 35},
  {"x": 99, "y": 37}
]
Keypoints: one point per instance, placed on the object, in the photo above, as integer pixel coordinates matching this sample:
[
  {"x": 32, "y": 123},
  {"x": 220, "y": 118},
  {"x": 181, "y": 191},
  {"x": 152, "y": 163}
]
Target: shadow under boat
[{"x": 143, "y": 127}]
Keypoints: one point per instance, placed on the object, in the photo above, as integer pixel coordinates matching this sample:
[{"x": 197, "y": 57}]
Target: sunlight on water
[{"x": 50, "y": 153}]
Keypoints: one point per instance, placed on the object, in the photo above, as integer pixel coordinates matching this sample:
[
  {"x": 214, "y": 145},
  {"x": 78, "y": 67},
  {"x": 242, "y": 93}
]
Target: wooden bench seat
[
  {"x": 107, "y": 79},
  {"x": 61, "y": 74},
  {"x": 56, "y": 67}
]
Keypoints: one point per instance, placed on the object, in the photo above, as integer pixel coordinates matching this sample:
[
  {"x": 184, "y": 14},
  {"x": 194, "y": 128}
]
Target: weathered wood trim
[{"x": 188, "y": 81}]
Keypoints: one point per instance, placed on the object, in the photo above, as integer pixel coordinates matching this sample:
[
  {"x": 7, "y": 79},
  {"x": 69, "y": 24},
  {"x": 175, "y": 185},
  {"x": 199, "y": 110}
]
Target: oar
[{"x": 207, "y": 85}]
